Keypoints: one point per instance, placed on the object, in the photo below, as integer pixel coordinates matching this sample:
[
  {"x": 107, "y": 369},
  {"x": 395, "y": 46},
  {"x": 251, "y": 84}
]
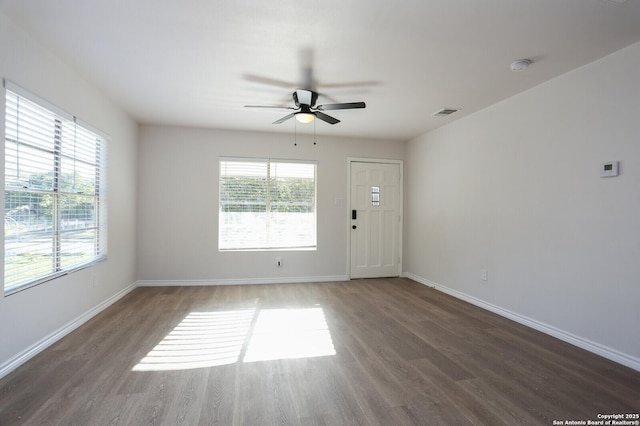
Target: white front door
[{"x": 375, "y": 219}]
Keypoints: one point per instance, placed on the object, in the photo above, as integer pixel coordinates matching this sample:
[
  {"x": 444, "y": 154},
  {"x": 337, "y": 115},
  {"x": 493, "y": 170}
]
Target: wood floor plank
[
  {"x": 453, "y": 395},
  {"x": 375, "y": 408},
  {"x": 219, "y": 399},
  {"x": 400, "y": 354},
  {"x": 498, "y": 402},
  {"x": 513, "y": 386}
]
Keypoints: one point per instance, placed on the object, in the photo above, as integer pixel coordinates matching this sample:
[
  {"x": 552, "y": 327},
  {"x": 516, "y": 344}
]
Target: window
[
  {"x": 267, "y": 204},
  {"x": 54, "y": 184}
]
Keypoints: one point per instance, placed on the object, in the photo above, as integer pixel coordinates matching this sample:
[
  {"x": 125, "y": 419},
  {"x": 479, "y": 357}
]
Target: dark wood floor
[{"x": 405, "y": 354}]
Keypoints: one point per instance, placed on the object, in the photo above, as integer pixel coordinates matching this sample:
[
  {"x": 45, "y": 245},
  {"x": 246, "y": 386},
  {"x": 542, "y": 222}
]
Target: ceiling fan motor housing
[{"x": 305, "y": 97}]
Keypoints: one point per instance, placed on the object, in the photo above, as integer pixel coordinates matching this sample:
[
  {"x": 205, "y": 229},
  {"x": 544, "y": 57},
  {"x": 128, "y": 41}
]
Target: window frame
[
  {"x": 268, "y": 204},
  {"x": 65, "y": 161}
]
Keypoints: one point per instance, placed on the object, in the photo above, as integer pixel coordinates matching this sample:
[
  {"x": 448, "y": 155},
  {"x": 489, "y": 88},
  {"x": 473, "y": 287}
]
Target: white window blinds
[
  {"x": 54, "y": 193},
  {"x": 267, "y": 204}
]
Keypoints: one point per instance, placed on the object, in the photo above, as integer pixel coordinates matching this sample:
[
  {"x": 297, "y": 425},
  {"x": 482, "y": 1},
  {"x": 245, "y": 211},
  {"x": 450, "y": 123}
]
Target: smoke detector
[{"x": 520, "y": 65}]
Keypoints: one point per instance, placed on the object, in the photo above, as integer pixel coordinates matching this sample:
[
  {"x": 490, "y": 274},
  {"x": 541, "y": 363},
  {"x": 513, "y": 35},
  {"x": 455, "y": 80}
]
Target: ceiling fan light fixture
[{"x": 305, "y": 117}]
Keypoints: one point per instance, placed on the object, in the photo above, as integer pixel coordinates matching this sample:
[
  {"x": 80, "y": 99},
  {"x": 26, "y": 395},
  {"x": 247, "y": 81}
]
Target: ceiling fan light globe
[{"x": 305, "y": 117}]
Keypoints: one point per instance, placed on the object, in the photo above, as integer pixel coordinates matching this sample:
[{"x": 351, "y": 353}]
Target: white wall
[
  {"x": 30, "y": 318},
  {"x": 516, "y": 189},
  {"x": 178, "y": 204}
]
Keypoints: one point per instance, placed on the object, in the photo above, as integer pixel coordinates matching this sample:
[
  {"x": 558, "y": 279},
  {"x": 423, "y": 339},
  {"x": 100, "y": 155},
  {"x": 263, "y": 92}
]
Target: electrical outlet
[
  {"x": 278, "y": 261},
  {"x": 484, "y": 275}
]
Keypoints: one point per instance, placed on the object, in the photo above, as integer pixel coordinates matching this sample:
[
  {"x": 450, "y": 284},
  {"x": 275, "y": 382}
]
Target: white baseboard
[
  {"x": 586, "y": 344},
  {"x": 240, "y": 281},
  {"x": 38, "y": 347}
]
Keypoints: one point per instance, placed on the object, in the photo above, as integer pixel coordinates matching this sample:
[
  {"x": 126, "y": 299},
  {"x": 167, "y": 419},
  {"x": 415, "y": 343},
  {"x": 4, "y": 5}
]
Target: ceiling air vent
[{"x": 445, "y": 111}]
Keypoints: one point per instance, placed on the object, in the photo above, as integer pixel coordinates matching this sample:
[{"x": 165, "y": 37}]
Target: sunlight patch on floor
[
  {"x": 289, "y": 333},
  {"x": 209, "y": 339},
  {"x": 202, "y": 339}
]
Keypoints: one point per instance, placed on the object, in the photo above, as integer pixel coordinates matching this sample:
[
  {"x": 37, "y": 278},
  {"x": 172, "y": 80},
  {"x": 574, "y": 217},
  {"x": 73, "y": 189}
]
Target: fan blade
[
  {"x": 305, "y": 61},
  {"x": 325, "y": 117},
  {"x": 270, "y": 81},
  {"x": 348, "y": 105},
  {"x": 329, "y": 98},
  {"x": 349, "y": 84},
  {"x": 285, "y": 118},
  {"x": 269, "y": 106}
]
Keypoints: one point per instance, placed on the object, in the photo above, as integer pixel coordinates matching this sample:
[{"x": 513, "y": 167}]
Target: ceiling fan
[{"x": 306, "y": 110}]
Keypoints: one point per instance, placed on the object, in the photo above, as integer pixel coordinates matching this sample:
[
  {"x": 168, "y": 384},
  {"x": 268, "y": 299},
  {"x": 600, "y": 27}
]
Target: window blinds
[
  {"x": 54, "y": 193},
  {"x": 267, "y": 204}
]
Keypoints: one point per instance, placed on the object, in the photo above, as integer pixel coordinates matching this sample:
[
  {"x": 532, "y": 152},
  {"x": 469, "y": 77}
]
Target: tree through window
[{"x": 54, "y": 193}]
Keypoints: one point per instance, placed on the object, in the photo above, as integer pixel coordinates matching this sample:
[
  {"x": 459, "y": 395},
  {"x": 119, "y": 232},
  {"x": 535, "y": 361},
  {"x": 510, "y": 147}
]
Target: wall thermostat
[{"x": 609, "y": 169}]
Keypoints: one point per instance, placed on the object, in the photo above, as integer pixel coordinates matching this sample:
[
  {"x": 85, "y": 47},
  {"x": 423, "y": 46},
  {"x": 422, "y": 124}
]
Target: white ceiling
[{"x": 198, "y": 62}]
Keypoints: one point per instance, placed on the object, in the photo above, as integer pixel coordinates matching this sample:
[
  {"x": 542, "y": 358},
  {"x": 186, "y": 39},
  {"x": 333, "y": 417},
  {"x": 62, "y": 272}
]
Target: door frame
[{"x": 400, "y": 163}]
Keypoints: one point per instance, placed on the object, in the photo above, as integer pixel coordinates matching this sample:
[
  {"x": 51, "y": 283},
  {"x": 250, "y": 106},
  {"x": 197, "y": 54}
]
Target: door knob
[{"x": 353, "y": 227}]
